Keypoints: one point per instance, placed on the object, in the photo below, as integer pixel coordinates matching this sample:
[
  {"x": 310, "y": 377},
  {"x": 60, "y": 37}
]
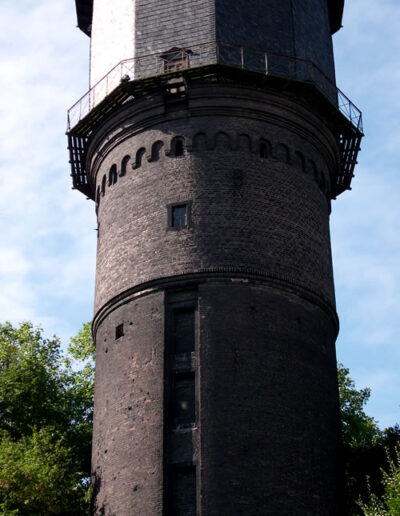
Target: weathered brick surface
[
  {"x": 248, "y": 213},
  {"x": 257, "y": 255},
  {"x": 268, "y": 404},
  {"x": 253, "y": 268},
  {"x": 128, "y": 425},
  {"x": 267, "y": 410}
]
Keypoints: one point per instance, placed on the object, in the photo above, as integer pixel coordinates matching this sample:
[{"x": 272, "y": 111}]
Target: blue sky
[{"x": 47, "y": 245}]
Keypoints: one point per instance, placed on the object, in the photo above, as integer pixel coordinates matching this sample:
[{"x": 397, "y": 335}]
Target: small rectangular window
[
  {"x": 179, "y": 215},
  {"x": 119, "y": 331}
]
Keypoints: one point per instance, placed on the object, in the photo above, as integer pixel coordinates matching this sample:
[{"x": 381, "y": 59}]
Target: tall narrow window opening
[
  {"x": 139, "y": 157},
  {"x": 178, "y": 151},
  {"x": 113, "y": 175},
  {"x": 97, "y": 199},
  {"x": 183, "y": 338},
  {"x": 263, "y": 150},
  {"x": 156, "y": 150},
  {"x": 180, "y": 403},
  {"x": 183, "y": 401},
  {"x": 124, "y": 165},
  {"x": 183, "y": 492}
]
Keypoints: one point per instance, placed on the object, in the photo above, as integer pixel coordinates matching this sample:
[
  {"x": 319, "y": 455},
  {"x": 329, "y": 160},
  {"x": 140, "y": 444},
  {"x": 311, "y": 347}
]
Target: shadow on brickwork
[{"x": 94, "y": 509}]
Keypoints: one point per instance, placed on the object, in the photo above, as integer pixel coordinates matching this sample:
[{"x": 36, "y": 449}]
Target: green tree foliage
[
  {"x": 45, "y": 422},
  {"x": 38, "y": 476},
  {"x": 46, "y": 414},
  {"x": 80, "y": 368},
  {"x": 389, "y": 503},
  {"x": 32, "y": 384},
  {"x": 358, "y": 428},
  {"x": 365, "y": 446}
]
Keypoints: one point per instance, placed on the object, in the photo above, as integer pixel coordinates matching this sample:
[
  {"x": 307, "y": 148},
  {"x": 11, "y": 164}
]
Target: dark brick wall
[
  {"x": 298, "y": 28},
  {"x": 268, "y": 404},
  {"x": 248, "y": 213},
  {"x": 232, "y": 409},
  {"x": 256, "y": 257},
  {"x": 269, "y": 25},
  {"x": 128, "y": 423}
]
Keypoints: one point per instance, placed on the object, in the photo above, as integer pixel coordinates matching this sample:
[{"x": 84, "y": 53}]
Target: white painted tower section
[{"x": 112, "y": 40}]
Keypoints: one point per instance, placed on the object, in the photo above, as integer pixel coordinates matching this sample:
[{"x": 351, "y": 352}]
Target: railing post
[
  {"x": 266, "y": 62},
  {"x": 242, "y": 56}
]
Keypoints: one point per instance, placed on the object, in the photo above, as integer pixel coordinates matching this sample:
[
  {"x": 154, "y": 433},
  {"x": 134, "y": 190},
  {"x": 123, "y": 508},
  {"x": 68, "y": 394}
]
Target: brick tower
[{"x": 212, "y": 141}]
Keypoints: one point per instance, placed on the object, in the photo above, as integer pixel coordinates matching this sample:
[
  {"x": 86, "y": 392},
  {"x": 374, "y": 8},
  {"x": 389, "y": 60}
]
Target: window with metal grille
[{"x": 175, "y": 60}]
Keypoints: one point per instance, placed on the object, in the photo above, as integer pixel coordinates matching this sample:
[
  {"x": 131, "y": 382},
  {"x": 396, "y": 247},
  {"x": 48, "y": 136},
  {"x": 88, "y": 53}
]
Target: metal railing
[{"x": 216, "y": 52}]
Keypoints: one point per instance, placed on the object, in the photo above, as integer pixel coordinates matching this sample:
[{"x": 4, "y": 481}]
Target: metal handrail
[{"x": 215, "y": 52}]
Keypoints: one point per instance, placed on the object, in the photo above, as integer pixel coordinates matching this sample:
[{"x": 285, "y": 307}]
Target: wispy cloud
[{"x": 47, "y": 239}]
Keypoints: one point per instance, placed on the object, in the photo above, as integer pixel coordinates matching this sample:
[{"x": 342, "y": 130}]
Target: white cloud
[{"x": 46, "y": 249}]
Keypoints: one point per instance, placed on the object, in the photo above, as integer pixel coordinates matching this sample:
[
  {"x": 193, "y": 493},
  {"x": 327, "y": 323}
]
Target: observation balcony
[{"x": 131, "y": 78}]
